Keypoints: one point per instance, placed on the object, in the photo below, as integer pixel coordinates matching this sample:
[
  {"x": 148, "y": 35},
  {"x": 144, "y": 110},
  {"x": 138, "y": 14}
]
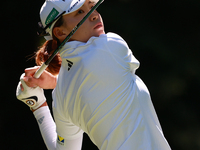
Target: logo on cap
[
  {"x": 52, "y": 15},
  {"x": 74, "y": 6}
]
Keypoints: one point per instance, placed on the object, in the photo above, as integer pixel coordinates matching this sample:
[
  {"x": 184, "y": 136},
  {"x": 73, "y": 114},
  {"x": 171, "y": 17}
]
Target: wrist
[
  {"x": 55, "y": 82},
  {"x": 44, "y": 104}
]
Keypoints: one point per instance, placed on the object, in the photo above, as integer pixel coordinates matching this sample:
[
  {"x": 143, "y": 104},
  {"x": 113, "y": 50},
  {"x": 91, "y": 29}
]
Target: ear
[{"x": 59, "y": 33}]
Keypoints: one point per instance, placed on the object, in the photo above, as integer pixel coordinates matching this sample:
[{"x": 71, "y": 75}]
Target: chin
[{"x": 99, "y": 33}]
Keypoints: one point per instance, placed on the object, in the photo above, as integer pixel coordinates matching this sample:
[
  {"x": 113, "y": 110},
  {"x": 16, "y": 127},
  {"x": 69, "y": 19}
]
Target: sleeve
[
  {"x": 48, "y": 130},
  {"x": 65, "y": 129}
]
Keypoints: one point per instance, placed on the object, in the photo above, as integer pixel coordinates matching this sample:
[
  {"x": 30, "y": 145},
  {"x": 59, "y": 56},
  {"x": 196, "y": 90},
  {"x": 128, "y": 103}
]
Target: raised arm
[{"x": 35, "y": 99}]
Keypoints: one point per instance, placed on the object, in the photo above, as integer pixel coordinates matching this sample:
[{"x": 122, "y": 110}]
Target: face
[{"x": 93, "y": 26}]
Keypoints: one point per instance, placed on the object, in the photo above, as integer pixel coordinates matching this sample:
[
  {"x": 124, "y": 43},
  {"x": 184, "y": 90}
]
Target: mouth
[{"x": 98, "y": 25}]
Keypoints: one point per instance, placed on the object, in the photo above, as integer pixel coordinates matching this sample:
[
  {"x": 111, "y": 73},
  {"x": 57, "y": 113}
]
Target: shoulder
[
  {"x": 110, "y": 41},
  {"x": 116, "y": 41},
  {"x": 117, "y": 45},
  {"x": 111, "y": 35}
]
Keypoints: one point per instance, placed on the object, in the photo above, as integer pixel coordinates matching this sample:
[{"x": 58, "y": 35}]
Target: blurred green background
[{"x": 164, "y": 36}]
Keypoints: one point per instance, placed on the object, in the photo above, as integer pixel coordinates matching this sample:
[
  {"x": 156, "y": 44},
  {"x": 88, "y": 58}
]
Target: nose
[{"x": 94, "y": 16}]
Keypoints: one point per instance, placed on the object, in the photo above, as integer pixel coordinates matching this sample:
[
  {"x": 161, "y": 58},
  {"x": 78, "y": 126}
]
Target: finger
[
  {"x": 31, "y": 71},
  {"x": 22, "y": 81},
  {"x": 25, "y": 86},
  {"x": 30, "y": 81},
  {"x": 22, "y": 88}
]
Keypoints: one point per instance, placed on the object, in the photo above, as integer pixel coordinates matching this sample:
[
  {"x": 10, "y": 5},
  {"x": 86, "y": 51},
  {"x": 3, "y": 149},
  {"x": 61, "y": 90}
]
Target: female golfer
[{"x": 95, "y": 87}]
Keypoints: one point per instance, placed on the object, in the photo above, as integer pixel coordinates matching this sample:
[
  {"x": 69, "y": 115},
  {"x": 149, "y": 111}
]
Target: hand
[
  {"x": 45, "y": 81},
  {"x": 33, "y": 97}
]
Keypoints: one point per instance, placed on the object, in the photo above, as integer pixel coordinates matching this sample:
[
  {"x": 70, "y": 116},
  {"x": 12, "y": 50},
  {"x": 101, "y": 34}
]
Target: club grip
[{"x": 40, "y": 70}]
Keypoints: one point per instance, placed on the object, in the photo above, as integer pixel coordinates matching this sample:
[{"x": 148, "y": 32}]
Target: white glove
[{"x": 33, "y": 97}]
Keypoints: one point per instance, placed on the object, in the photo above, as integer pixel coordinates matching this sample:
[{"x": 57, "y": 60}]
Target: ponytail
[
  {"x": 45, "y": 52},
  {"x": 47, "y": 49}
]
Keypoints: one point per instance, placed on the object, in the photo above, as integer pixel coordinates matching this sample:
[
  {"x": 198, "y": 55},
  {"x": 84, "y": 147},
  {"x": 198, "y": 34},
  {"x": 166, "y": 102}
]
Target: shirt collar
[{"x": 75, "y": 44}]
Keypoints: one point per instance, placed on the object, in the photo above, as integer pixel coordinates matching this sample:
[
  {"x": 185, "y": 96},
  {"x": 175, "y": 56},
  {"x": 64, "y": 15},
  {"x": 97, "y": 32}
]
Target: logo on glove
[{"x": 30, "y": 102}]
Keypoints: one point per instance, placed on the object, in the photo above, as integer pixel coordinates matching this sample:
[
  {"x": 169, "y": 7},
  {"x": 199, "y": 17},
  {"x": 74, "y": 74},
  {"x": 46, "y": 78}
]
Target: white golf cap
[{"x": 53, "y": 8}]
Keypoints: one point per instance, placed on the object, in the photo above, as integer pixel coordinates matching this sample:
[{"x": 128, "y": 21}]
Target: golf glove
[{"x": 33, "y": 97}]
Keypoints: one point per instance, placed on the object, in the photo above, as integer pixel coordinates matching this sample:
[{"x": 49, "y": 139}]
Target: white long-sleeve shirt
[{"x": 98, "y": 93}]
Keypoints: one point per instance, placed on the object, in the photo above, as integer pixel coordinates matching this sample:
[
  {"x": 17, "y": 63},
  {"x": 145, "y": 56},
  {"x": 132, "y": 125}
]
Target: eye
[
  {"x": 93, "y": 4},
  {"x": 80, "y": 11}
]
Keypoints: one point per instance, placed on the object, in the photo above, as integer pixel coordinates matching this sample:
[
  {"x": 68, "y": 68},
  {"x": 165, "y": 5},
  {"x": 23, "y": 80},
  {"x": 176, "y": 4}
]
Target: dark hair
[{"x": 47, "y": 49}]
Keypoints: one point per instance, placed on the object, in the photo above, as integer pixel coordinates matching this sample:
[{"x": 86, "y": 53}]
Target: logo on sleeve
[
  {"x": 41, "y": 120},
  {"x": 70, "y": 64},
  {"x": 61, "y": 140}
]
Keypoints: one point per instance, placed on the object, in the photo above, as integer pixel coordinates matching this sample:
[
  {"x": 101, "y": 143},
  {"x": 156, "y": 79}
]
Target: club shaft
[{"x": 45, "y": 64}]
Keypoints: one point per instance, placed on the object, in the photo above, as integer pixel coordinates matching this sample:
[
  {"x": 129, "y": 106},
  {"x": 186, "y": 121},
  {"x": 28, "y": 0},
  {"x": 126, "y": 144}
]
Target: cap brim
[
  {"x": 56, "y": 8},
  {"x": 76, "y": 4}
]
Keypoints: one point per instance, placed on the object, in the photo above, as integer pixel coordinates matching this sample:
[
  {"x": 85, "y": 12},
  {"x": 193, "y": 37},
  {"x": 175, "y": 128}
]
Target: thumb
[
  {"x": 31, "y": 71},
  {"x": 30, "y": 81}
]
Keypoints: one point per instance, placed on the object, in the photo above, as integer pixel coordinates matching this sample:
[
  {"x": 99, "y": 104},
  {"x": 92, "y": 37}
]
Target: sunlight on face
[{"x": 93, "y": 26}]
